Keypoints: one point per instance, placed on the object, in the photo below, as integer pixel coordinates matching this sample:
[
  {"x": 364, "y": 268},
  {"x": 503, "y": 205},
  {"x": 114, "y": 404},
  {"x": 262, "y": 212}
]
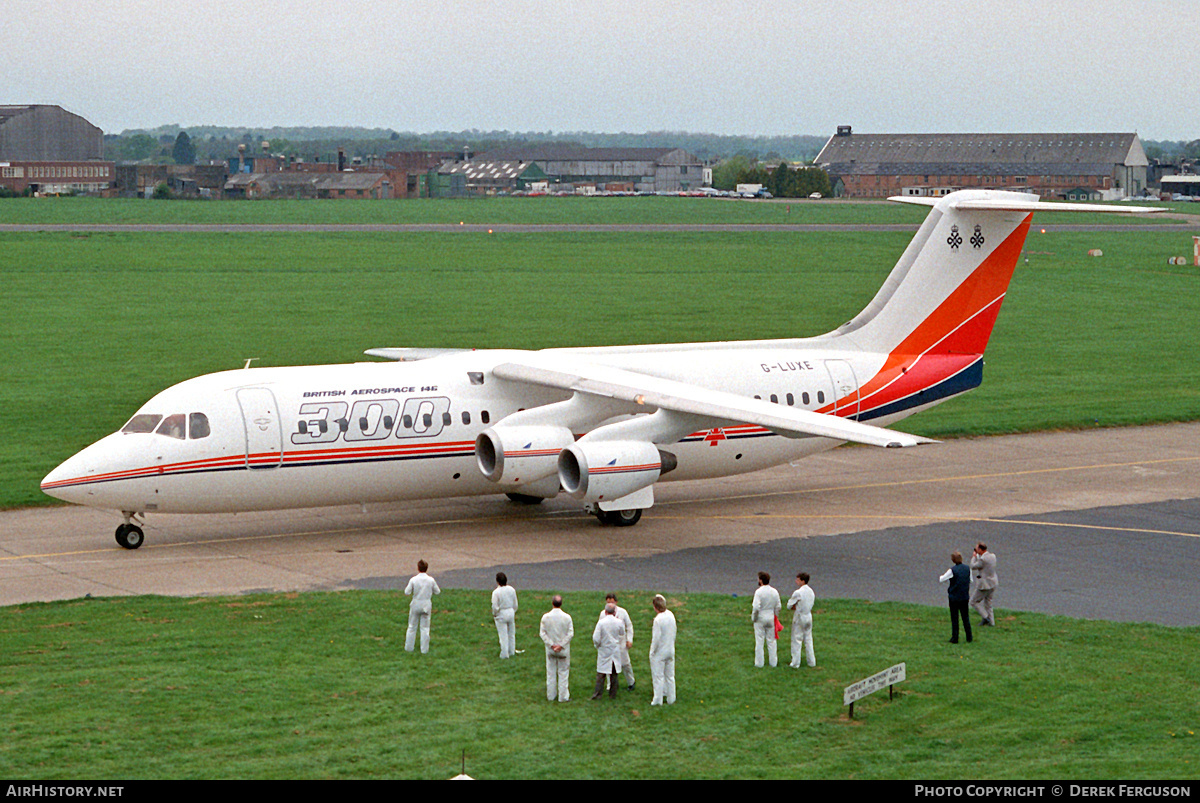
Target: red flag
[{"x": 778, "y": 626}]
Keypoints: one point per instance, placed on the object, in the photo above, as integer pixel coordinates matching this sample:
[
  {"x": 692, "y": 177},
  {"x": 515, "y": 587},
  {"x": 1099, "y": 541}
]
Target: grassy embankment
[{"x": 318, "y": 686}]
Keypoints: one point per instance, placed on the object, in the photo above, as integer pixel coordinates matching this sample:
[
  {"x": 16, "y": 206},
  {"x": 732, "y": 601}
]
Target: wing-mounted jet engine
[{"x": 523, "y": 458}]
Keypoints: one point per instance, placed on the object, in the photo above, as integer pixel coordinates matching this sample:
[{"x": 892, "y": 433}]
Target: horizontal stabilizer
[{"x": 1013, "y": 205}]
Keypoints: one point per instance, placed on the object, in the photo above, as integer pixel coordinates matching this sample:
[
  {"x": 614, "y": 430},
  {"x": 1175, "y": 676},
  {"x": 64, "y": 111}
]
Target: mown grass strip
[
  {"x": 652, "y": 210},
  {"x": 318, "y": 686}
]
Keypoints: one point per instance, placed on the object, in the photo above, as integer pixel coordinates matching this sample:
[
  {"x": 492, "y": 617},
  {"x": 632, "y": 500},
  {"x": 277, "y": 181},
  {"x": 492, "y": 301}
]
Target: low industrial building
[
  {"x": 298, "y": 185},
  {"x": 665, "y": 170},
  {"x": 1063, "y": 165},
  {"x": 1186, "y": 185},
  {"x": 485, "y": 177}
]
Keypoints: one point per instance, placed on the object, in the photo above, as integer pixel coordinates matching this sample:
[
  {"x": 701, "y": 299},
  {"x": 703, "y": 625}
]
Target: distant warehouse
[
  {"x": 1069, "y": 166},
  {"x": 50, "y": 150}
]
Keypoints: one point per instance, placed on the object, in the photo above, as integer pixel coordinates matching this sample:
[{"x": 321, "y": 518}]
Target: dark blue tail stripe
[{"x": 966, "y": 379}]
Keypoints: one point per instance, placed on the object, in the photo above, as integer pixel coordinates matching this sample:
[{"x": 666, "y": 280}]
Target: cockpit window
[
  {"x": 198, "y": 424},
  {"x": 143, "y": 422},
  {"x": 173, "y": 426}
]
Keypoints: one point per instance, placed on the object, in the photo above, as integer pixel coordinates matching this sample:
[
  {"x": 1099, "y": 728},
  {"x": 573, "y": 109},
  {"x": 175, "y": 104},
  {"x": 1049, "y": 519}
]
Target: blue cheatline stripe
[{"x": 966, "y": 379}]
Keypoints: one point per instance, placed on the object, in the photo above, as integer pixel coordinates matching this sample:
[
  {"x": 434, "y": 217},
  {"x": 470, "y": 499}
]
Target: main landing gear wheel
[
  {"x": 130, "y": 536},
  {"x": 619, "y": 518}
]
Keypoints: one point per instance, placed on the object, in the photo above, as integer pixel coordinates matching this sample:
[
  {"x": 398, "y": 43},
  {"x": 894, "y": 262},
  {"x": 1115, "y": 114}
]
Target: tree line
[
  {"x": 311, "y": 144},
  {"x": 782, "y": 180}
]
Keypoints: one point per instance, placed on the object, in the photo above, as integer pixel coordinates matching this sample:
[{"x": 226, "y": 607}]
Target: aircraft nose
[{"x": 69, "y": 482}]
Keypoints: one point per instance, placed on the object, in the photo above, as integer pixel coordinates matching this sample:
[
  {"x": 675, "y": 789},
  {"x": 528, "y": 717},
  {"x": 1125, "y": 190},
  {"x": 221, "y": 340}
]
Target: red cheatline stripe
[
  {"x": 260, "y": 458},
  {"x": 623, "y": 469}
]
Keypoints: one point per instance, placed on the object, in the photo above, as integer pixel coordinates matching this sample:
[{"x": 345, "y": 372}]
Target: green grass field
[
  {"x": 98, "y": 323},
  {"x": 318, "y": 686},
  {"x": 533, "y": 211},
  {"x": 543, "y": 210}
]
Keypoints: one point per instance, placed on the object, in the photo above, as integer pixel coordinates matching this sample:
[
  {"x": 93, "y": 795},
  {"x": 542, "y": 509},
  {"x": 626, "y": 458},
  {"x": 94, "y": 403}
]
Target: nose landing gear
[{"x": 129, "y": 535}]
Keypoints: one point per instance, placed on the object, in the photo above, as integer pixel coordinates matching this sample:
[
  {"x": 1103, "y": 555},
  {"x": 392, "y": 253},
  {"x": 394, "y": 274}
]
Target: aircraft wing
[{"x": 714, "y": 405}]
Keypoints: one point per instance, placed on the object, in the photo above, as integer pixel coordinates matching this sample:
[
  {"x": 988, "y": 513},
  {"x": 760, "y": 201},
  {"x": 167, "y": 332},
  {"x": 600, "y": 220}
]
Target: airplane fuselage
[{"x": 274, "y": 438}]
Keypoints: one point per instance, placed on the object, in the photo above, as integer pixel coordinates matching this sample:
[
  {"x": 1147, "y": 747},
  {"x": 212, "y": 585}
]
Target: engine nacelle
[
  {"x": 606, "y": 470},
  {"x": 520, "y": 455}
]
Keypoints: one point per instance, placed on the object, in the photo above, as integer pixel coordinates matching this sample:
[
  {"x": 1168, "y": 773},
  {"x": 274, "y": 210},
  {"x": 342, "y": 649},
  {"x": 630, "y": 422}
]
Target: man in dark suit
[{"x": 959, "y": 591}]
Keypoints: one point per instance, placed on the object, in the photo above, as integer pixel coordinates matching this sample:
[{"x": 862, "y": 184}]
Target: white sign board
[{"x": 859, "y": 690}]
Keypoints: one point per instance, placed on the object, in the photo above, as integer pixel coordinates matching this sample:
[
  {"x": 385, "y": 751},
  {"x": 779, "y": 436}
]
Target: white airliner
[{"x": 602, "y": 424}]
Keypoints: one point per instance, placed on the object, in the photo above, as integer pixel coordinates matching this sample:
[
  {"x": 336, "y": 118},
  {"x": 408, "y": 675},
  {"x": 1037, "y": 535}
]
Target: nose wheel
[{"x": 129, "y": 535}]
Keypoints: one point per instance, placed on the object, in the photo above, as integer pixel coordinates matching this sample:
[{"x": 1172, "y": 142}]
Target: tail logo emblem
[
  {"x": 955, "y": 239},
  {"x": 977, "y": 237}
]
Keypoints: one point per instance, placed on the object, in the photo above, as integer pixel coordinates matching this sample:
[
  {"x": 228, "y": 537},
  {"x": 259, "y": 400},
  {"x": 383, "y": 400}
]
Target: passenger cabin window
[
  {"x": 198, "y": 426},
  {"x": 485, "y": 417},
  {"x": 466, "y": 417},
  {"x": 143, "y": 422},
  {"x": 173, "y": 426},
  {"x": 804, "y": 398}
]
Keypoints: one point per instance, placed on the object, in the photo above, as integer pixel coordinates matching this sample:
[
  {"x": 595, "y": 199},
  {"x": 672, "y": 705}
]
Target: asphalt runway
[{"x": 1097, "y": 524}]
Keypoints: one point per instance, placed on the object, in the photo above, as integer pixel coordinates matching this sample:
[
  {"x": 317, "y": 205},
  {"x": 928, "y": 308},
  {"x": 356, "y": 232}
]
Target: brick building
[
  {"x": 140, "y": 180},
  {"x": 1051, "y": 165},
  {"x": 414, "y": 173}
]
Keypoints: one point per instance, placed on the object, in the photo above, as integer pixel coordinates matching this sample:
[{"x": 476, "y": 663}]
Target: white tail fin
[
  {"x": 935, "y": 312},
  {"x": 945, "y": 292}
]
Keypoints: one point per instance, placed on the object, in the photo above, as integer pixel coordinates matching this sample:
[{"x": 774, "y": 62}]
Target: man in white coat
[
  {"x": 608, "y": 637},
  {"x": 623, "y": 615},
  {"x": 504, "y": 612},
  {"x": 421, "y": 588},
  {"x": 801, "y": 603},
  {"x": 763, "y": 613},
  {"x": 557, "y": 631},
  {"x": 662, "y": 653}
]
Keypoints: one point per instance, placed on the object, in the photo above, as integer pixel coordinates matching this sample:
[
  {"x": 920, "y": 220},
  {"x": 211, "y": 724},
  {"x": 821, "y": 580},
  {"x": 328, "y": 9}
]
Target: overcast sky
[{"x": 728, "y": 67}]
